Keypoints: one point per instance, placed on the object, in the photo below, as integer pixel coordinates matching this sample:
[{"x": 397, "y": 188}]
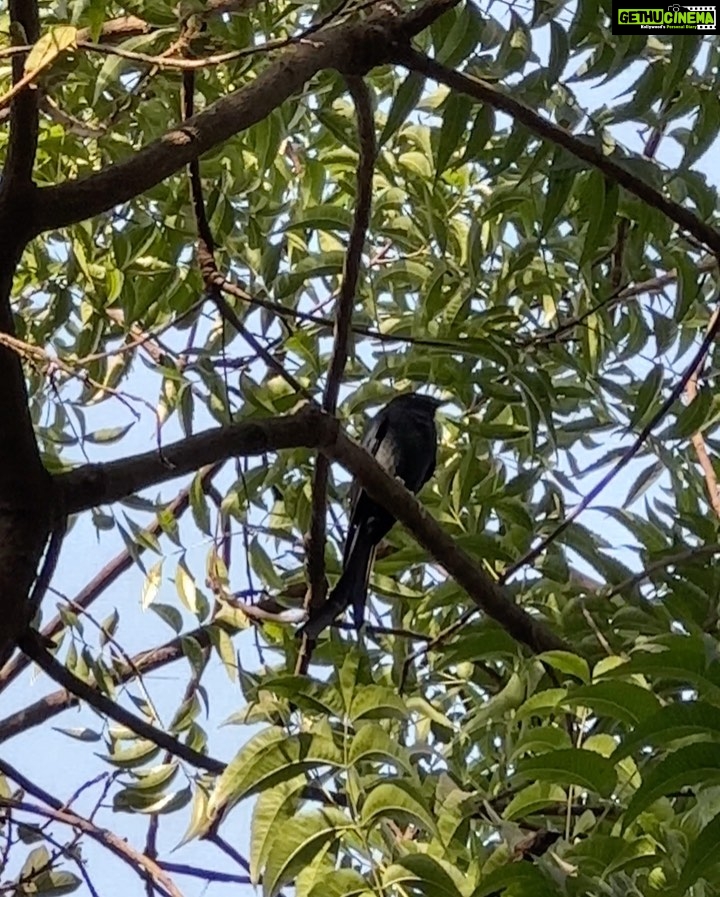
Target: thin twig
[
  {"x": 315, "y": 543},
  {"x": 653, "y": 285},
  {"x": 208, "y": 875},
  {"x": 688, "y": 555},
  {"x": 698, "y": 441},
  {"x": 627, "y": 456},
  {"x": 31, "y": 645},
  {"x": 208, "y": 266},
  {"x": 183, "y": 64},
  {"x": 55, "y": 811}
]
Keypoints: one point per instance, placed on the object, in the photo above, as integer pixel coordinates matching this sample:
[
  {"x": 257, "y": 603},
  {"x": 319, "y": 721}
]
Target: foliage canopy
[{"x": 526, "y": 257}]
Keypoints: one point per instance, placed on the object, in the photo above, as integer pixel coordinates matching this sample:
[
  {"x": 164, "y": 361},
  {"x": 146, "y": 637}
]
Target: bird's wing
[
  {"x": 433, "y": 460},
  {"x": 371, "y": 442}
]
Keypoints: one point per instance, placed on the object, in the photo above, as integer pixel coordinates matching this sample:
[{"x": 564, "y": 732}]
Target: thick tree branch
[
  {"x": 311, "y": 428},
  {"x": 17, "y": 173},
  {"x": 95, "y": 484},
  {"x": 486, "y": 93},
  {"x": 24, "y": 484},
  {"x": 111, "y": 572},
  {"x": 487, "y": 594},
  {"x": 352, "y": 47}
]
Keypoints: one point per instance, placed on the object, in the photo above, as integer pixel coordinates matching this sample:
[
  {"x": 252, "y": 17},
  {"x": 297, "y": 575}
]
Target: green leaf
[
  {"x": 688, "y": 287},
  {"x": 139, "y": 801},
  {"x": 702, "y": 856},
  {"x": 565, "y": 662},
  {"x": 643, "y": 482},
  {"x": 185, "y": 585},
  {"x": 109, "y": 435},
  {"x": 404, "y": 101},
  {"x": 151, "y": 585},
  {"x": 647, "y": 394},
  {"x": 679, "y": 658},
  {"x": 571, "y": 766},
  {"x": 377, "y": 702},
  {"x": 324, "y": 217},
  {"x": 559, "y": 186},
  {"x": 602, "y": 217},
  {"x": 269, "y": 758},
  {"x": 482, "y": 130},
  {"x": 400, "y": 801},
  {"x": 670, "y": 723},
  {"x": 690, "y": 418},
  {"x": 534, "y": 799},
  {"x": 559, "y": 52},
  {"x": 306, "y": 694},
  {"x": 688, "y": 766},
  {"x": 263, "y": 566},
  {"x": 682, "y": 53},
  {"x": 340, "y": 883},
  {"x": 423, "y": 873},
  {"x": 624, "y": 701},
  {"x": 455, "y": 117},
  {"x": 604, "y": 855},
  {"x": 521, "y": 880},
  {"x": 297, "y": 841},
  {"x": 703, "y": 133},
  {"x": 539, "y": 739},
  {"x": 372, "y": 743},
  {"x": 54, "y": 42},
  {"x": 348, "y": 676},
  {"x": 81, "y": 733},
  {"x": 273, "y": 807}
]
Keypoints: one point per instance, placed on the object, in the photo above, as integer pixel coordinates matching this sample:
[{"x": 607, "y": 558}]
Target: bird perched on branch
[{"x": 403, "y": 439}]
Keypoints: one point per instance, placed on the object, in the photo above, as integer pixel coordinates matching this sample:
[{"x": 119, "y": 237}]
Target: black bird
[{"x": 403, "y": 439}]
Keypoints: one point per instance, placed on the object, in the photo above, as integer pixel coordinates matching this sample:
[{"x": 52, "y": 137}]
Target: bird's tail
[{"x": 351, "y": 588}]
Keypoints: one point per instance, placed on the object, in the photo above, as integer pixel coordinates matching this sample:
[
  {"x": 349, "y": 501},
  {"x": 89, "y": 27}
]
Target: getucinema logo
[{"x": 672, "y": 18}]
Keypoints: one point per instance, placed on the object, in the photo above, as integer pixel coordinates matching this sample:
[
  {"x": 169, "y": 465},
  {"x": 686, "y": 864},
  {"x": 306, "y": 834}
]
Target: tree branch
[
  {"x": 486, "y": 93},
  {"x": 24, "y": 484},
  {"x": 145, "y": 662},
  {"x": 22, "y": 146},
  {"x": 313, "y": 429},
  {"x": 112, "y": 571},
  {"x": 56, "y": 812},
  {"x": 711, "y": 482},
  {"x": 315, "y": 543},
  {"x": 95, "y": 484},
  {"x": 31, "y": 645},
  {"x": 487, "y": 594},
  {"x": 688, "y": 555},
  {"x": 353, "y": 47}
]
